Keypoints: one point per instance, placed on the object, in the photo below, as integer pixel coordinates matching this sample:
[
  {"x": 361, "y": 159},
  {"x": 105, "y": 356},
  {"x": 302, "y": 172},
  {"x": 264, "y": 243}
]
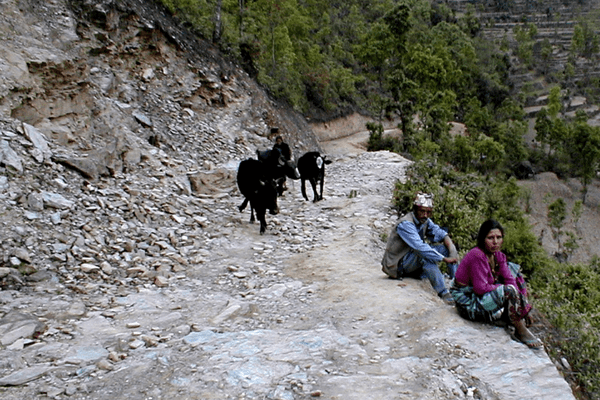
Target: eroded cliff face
[{"x": 85, "y": 73}]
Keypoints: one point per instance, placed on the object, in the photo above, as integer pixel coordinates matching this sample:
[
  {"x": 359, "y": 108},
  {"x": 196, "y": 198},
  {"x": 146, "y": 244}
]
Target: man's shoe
[{"x": 448, "y": 299}]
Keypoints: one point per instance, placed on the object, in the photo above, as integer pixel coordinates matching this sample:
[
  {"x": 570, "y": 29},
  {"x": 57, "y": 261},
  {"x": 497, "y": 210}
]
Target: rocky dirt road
[{"x": 300, "y": 312}]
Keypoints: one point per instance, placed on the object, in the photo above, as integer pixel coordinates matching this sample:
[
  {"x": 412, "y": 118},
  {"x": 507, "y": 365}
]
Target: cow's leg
[
  {"x": 313, "y": 183},
  {"x": 252, "y": 213},
  {"x": 321, "y": 185},
  {"x": 303, "y": 188},
  {"x": 263, "y": 226},
  {"x": 260, "y": 214},
  {"x": 281, "y": 186},
  {"x": 243, "y": 205}
]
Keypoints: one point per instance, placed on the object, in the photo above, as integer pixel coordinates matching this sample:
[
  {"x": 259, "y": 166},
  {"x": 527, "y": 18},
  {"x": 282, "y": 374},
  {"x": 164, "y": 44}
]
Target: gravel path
[{"x": 300, "y": 312}]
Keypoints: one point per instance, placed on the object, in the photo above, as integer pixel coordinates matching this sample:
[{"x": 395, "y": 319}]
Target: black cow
[
  {"x": 278, "y": 167},
  {"x": 312, "y": 168},
  {"x": 258, "y": 189}
]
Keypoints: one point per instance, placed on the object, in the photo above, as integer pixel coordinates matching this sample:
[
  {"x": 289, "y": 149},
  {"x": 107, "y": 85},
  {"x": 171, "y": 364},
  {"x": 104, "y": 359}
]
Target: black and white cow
[
  {"x": 278, "y": 167},
  {"x": 312, "y": 168},
  {"x": 258, "y": 189}
]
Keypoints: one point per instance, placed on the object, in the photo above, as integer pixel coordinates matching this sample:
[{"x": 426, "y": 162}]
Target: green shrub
[
  {"x": 462, "y": 201},
  {"x": 569, "y": 296},
  {"x": 379, "y": 142}
]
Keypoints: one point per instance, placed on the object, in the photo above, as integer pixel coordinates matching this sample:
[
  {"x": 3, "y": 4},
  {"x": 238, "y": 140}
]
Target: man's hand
[{"x": 450, "y": 260}]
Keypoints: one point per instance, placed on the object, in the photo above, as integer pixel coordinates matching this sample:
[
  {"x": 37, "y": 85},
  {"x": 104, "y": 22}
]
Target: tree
[
  {"x": 217, "y": 21},
  {"x": 404, "y": 97},
  {"x": 490, "y": 153},
  {"x": 436, "y": 110},
  {"x": 554, "y": 102},
  {"x": 543, "y": 128},
  {"x": 478, "y": 119},
  {"x": 510, "y": 134},
  {"x": 398, "y": 19},
  {"x": 585, "y": 150},
  {"x": 584, "y": 41},
  {"x": 557, "y": 215},
  {"x": 470, "y": 23},
  {"x": 559, "y": 136},
  {"x": 197, "y": 12},
  {"x": 378, "y": 49},
  {"x": 307, "y": 53},
  {"x": 402, "y": 88},
  {"x": 525, "y": 35},
  {"x": 462, "y": 153},
  {"x": 241, "y": 11},
  {"x": 545, "y": 53}
]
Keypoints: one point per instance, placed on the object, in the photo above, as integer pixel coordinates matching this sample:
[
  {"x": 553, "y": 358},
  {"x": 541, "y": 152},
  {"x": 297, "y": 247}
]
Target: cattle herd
[{"x": 262, "y": 180}]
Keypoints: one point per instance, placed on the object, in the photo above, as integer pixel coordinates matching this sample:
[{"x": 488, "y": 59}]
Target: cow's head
[
  {"x": 319, "y": 161},
  {"x": 275, "y": 158},
  {"x": 291, "y": 169}
]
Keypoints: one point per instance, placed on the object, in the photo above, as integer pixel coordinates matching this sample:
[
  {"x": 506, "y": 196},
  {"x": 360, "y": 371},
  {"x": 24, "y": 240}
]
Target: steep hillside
[{"x": 123, "y": 68}]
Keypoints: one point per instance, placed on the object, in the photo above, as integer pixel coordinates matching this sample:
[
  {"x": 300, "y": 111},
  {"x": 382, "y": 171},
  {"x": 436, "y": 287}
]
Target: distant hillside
[{"x": 551, "y": 47}]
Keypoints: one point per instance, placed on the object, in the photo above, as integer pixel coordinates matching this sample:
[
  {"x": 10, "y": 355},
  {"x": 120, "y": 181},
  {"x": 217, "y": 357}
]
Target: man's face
[{"x": 422, "y": 213}]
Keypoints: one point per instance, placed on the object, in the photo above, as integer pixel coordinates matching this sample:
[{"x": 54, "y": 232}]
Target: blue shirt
[{"x": 411, "y": 233}]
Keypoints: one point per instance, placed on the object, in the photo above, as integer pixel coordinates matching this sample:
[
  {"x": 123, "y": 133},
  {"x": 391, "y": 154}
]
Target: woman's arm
[{"x": 504, "y": 273}]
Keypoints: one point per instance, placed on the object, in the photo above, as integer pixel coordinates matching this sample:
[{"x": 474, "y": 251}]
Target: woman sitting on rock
[{"x": 487, "y": 288}]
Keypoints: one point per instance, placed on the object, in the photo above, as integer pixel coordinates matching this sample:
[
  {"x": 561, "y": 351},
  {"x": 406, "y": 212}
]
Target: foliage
[
  {"x": 462, "y": 153},
  {"x": 584, "y": 150},
  {"x": 401, "y": 59},
  {"x": 462, "y": 201},
  {"x": 557, "y": 214},
  {"x": 522, "y": 246},
  {"x": 574, "y": 144},
  {"x": 378, "y": 142},
  {"x": 570, "y": 295},
  {"x": 554, "y": 102},
  {"x": 321, "y": 56},
  {"x": 525, "y": 35},
  {"x": 585, "y": 41}
]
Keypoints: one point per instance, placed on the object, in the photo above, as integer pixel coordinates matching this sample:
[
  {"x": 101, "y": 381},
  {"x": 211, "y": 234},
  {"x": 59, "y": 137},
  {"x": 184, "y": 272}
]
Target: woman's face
[{"x": 493, "y": 241}]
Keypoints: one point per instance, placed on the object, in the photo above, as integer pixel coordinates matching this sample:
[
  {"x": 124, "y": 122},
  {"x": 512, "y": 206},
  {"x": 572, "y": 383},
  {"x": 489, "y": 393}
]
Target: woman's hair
[{"x": 485, "y": 228}]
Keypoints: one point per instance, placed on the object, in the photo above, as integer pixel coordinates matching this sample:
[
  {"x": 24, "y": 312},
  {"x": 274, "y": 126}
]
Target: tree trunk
[
  {"x": 218, "y": 24},
  {"x": 241, "y": 5}
]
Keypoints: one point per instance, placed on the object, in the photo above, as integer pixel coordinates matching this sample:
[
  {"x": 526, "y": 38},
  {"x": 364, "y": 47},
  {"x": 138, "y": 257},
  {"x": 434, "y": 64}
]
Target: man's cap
[{"x": 424, "y": 200}]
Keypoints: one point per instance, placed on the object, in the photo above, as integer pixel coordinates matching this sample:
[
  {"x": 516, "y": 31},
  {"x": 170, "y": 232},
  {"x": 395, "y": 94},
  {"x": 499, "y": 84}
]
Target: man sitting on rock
[{"x": 408, "y": 252}]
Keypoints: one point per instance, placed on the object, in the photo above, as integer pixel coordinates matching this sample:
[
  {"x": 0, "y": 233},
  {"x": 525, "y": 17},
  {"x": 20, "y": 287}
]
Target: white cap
[{"x": 424, "y": 200}]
